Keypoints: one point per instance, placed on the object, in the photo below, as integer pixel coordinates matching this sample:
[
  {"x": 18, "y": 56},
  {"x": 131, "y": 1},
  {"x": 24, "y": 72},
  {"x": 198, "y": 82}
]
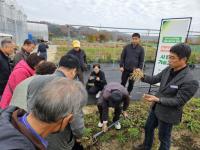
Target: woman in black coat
[{"x": 96, "y": 81}]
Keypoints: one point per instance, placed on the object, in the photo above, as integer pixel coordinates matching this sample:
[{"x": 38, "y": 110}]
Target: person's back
[
  {"x": 80, "y": 55},
  {"x": 113, "y": 86},
  {"x": 19, "y": 97},
  {"x": 34, "y": 86},
  {"x": 42, "y": 48},
  {"x": 20, "y": 94},
  {"x": 64, "y": 139}
]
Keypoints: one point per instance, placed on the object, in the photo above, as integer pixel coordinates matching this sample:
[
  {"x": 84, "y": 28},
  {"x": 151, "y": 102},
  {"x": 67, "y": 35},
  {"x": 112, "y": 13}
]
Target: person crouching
[
  {"x": 116, "y": 96},
  {"x": 96, "y": 81}
]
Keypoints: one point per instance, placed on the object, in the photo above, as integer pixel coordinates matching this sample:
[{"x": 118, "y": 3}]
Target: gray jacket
[
  {"x": 65, "y": 139},
  {"x": 21, "y": 55},
  {"x": 173, "y": 95},
  {"x": 105, "y": 101},
  {"x": 106, "y": 93}
]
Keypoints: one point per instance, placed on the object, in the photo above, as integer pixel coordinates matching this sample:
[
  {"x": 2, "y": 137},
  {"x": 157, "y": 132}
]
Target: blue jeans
[{"x": 164, "y": 130}]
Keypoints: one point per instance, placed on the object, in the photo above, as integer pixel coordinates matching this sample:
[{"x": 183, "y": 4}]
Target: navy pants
[{"x": 164, "y": 130}]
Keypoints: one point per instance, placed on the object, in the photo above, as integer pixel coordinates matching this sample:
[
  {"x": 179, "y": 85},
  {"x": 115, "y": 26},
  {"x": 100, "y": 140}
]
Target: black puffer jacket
[
  {"x": 100, "y": 83},
  {"x": 5, "y": 70}
]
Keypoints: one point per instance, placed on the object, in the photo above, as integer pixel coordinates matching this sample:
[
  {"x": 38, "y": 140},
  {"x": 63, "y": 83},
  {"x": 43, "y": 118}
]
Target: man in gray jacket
[
  {"x": 177, "y": 87},
  {"x": 65, "y": 140},
  {"x": 26, "y": 50}
]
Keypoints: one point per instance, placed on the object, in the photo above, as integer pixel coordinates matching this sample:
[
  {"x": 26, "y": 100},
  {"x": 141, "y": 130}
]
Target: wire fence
[
  {"x": 13, "y": 20},
  {"x": 104, "y": 44}
]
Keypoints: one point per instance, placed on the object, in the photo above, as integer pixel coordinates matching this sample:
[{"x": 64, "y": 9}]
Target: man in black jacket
[
  {"x": 132, "y": 57},
  {"x": 7, "y": 49},
  {"x": 177, "y": 87},
  {"x": 80, "y": 54},
  {"x": 42, "y": 49}
]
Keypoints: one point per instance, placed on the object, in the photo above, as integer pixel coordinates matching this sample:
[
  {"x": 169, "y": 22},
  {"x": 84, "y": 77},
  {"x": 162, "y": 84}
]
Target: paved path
[{"x": 51, "y": 53}]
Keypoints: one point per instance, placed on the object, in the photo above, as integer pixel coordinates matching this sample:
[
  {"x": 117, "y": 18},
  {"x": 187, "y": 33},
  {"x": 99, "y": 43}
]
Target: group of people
[{"x": 42, "y": 104}]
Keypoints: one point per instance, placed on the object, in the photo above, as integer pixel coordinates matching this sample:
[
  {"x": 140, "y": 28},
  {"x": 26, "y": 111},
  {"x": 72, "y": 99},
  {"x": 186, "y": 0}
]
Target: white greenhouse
[
  {"x": 13, "y": 20},
  {"x": 38, "y": 31}
]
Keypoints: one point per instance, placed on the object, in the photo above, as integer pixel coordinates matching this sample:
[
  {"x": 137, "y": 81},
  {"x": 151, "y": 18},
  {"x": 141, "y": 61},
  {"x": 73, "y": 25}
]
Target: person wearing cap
[
  {"x": 80, "y": 54},
  {"x": 113, "y": 95}
]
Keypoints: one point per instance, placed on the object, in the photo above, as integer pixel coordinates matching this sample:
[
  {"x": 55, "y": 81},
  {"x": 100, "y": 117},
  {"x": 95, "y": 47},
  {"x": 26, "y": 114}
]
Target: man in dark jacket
[
  {"x": 42, "y": 49},
  {"x": 113, "y": 95},
  {"x": 80, "y": 54},
  {"x": 132, "y": 57},
  {"x": 7, "y": 49},
  {"x": 27, "y": 131},
  {"x": 26, "y": 50},
  {"x": 96, "y": 81},
  {"x": 177, "y": 87}
]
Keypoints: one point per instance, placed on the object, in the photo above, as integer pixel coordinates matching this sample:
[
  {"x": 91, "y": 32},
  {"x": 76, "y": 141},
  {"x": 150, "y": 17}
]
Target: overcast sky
[{"x": 117, "y": 13}]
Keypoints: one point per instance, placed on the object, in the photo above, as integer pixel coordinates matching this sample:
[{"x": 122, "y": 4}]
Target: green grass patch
[
  {"x": 109, "y": 53},
  {"x": 133, "y": 128}
]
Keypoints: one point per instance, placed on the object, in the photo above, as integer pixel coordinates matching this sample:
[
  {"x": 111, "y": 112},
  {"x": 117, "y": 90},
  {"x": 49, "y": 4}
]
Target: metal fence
[
  {"x": 109, "y": 50},
  {"x": 13, "y": 20}
]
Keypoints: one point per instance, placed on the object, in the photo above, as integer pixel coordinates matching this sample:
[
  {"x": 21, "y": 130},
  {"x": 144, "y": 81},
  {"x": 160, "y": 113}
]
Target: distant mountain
[{"x": 56, "y": 30}]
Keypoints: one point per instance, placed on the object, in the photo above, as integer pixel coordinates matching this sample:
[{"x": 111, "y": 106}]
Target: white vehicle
[{"x": 5, "y": 36}]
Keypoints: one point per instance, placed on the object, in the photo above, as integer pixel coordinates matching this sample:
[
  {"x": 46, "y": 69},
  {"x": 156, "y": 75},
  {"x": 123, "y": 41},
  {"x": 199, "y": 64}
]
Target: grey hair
[
  {"x": 5, "y": 42},
  {"x": 59, "y": 98}
]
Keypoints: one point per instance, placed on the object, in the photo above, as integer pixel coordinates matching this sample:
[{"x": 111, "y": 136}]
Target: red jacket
[{"x": 21, "y": 71}]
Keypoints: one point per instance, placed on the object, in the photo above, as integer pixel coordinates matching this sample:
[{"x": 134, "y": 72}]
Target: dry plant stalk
[{"x": 136, "y": 75}]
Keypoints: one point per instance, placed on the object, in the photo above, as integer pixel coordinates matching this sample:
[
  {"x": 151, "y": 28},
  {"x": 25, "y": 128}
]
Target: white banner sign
[{"x": 172, "y": 31}]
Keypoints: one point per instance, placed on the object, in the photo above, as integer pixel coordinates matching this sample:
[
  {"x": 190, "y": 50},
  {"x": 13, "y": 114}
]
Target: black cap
[
  {"x": 69, "y": 61},
  {"x": 116, "y": 96}
]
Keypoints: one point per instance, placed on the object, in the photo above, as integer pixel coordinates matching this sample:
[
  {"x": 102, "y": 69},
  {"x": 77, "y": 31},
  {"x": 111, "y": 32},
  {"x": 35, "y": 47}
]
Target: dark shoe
[{"x": 139, "y": 147}]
